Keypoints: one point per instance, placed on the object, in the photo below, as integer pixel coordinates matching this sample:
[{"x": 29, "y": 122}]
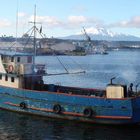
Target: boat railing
[{"x": 76, "y": 91}]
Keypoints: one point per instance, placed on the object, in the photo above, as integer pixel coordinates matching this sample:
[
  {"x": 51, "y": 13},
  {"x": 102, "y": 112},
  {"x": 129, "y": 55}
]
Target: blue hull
[{"x": 72, "y": 107}]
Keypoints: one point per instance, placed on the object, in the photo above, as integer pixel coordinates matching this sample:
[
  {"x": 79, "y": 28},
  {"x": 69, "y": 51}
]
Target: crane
[
  {"x": 88, "y": 45},
  {"x": 87, "y": 36}
]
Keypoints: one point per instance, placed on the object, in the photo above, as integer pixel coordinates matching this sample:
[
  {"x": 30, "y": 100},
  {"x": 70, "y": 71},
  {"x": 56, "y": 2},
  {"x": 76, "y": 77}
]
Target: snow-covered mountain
[{"x": 102, "y": 34}]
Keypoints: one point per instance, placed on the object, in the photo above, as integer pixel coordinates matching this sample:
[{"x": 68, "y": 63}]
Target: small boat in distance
[{"x": 22, "y": 90}]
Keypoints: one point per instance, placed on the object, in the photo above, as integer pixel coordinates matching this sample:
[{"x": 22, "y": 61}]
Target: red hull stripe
[
  {"x": 114, "y": 117},
  {"x": 72, "y": 113}
]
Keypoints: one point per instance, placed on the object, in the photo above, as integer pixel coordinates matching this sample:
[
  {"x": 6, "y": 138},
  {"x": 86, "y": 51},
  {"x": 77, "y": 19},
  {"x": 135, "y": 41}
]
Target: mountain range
[{"x": 102, "y": 34}]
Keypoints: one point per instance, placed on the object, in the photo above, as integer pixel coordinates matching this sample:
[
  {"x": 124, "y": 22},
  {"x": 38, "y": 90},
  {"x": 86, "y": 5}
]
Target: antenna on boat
[
  {"x": 17, "y": 20},
  {"x": 16, "y": 26},
  {"x": 137, "y": 88}
]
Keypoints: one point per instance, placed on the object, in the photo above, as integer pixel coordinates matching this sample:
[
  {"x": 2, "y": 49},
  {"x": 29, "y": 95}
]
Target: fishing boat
[{"x": 23, "y": 90}]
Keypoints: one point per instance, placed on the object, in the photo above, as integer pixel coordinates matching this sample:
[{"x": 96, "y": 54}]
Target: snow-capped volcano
[
  {"x": 102, "y": 34},
  {"x": 100, "y": 31}
]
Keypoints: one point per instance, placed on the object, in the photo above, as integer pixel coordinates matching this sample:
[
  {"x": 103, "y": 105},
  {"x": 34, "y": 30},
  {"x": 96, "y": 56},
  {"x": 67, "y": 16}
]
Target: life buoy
[
  {"x": 57, "y": 108},
  {"x": 10, "y": 68},
  {"x": 23, "y": 105},
  {"x": 88, "y": 112}
]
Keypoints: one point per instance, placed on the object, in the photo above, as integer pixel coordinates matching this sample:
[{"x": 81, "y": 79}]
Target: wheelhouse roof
[{"x": 14, "y": 53}]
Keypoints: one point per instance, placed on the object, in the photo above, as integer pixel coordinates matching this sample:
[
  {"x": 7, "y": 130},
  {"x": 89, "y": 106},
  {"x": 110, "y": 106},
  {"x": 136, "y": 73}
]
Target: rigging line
[
  {"x": 60, "y": 61},
  {"x": 28, "y": 38},
  {"x": 62, "y": 64},
  {"x": 77, "y": 64},
  {"x": 65, "y": 66},
  {"x": 42, "y": 35},
  {"x": 28, "y": 30}
]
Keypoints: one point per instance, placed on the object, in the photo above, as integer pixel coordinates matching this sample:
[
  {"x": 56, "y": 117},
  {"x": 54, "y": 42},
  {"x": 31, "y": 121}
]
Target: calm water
[
  {"x": 124, "y": 65},
  {"x": 99, "y": 69}
]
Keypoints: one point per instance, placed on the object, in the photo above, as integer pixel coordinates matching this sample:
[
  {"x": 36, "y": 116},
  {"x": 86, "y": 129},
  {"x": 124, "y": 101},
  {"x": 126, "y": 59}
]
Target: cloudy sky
[{"x": 66, "y": 17}]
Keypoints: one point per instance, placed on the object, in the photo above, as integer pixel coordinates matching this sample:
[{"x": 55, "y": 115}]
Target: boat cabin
[{"x": 17, "y": 70}]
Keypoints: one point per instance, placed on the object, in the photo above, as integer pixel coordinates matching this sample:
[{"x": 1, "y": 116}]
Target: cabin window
[
  {"x": 6, "y": 78},
  {"x": 12, "y": 79},
  {"x": 18, "y": 59},
  {"x": 12, "y": 59},
  {"x": 29, "y": 59},
  {"x": 0, "y": 76}
]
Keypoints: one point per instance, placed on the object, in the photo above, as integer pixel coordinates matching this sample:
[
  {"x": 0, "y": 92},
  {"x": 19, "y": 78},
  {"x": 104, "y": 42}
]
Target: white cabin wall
[
  {"x": 2, "y": 69},
  {"x": 8, "y": 83},
  {"x": 23, "y": 59},
  {"x": 23, "y": 67}
]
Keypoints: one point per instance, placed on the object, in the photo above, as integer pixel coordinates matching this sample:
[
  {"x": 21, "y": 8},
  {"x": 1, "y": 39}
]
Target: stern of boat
[{"x": 136, "y": 109}]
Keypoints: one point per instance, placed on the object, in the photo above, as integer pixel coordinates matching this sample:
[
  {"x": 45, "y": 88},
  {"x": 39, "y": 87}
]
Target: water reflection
[
  {"x": 99, "y": 69},
  {"x": 15, "y": 126}
]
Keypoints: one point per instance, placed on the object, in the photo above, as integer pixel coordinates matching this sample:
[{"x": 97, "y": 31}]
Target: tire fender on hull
[
  {"x": 23, "y": 105},
  {"x": 88, "y": 112},
  {"x": 57, "y": 108}
]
